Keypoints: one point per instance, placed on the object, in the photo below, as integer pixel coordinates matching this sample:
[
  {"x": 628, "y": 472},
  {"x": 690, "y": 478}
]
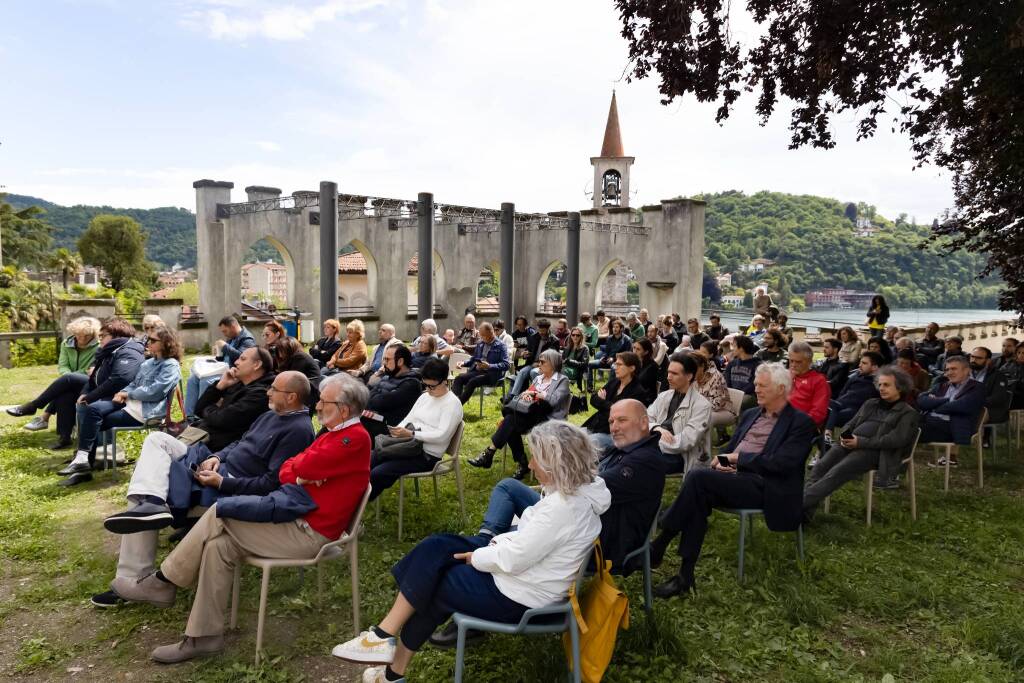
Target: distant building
[
  {"x": 757, "y": 265},
  {"x": 724, "y": 280},
  {"x": 173, "y": 278},
  {"x": 836, "y": 298},
  {"x": 267, "y": 279},
  {"x": 732, "y": 301}
]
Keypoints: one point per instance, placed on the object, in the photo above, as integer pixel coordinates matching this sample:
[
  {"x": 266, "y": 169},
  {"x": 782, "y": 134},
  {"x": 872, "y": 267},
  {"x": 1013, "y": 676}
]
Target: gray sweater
[{"x": 890, "y": 431}]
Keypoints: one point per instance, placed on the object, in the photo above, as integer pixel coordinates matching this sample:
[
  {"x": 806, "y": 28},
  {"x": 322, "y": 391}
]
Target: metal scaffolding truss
[{"x": 303, "y": 200}]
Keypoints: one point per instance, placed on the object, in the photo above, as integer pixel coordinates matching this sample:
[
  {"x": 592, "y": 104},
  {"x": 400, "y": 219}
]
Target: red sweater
[
  {"x": 342, "y": 459},
  {"x": 811, "y": 394}
]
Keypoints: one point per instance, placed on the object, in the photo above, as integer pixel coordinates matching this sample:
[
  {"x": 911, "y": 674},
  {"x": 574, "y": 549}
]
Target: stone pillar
[
  {"x": 572, "y": 269},
  {"x": 256, "y": 192},
  {"x": 328, "y": 251},
  {"x": 507, "y": 265},
  {"x": 425, "y": 242},
  {"x": 214, "y": 300}
]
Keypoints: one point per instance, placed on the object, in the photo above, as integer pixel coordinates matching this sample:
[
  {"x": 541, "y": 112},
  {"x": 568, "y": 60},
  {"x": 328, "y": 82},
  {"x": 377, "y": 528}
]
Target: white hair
[
  {"x": 803, "y": 348},
  {"x": 428, "y": 326},
  {"x": 565, "y": 452},
  {"x": 777, "y": 374},
  {"x": 351, "y": 392}
]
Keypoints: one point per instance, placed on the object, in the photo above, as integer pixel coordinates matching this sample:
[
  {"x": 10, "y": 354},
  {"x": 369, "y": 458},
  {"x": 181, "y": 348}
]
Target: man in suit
[
  {"x": 486, "y": 367},
  {"x": 950, "y": 409},
  {"x": 766, "y": 459}
]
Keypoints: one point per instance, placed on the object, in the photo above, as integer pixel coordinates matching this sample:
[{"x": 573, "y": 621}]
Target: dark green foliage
[
  {"x": 26, "y": 238},
  {"x": 117, "y": 245},
  {"x": 814, "y": 245}
]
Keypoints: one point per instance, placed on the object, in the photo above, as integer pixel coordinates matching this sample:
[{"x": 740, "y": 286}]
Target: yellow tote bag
[{"x": 600, "y": 612}]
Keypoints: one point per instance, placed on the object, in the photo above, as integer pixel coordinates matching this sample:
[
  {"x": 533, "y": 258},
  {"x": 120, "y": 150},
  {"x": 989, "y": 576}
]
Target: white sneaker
[
  {"x": 367, "y": 648},
  {"x": 375, "y": 674},
  {"x": 37, "y": 424}
]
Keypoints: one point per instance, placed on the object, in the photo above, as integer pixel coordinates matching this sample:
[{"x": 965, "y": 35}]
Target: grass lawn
[{"x": 935, "y": 600}]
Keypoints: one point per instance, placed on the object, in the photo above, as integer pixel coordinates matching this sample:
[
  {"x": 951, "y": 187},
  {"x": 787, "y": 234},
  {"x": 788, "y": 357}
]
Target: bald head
[
  {"x": 627, "y": 422},
  {"x": 289, "y": 392}
]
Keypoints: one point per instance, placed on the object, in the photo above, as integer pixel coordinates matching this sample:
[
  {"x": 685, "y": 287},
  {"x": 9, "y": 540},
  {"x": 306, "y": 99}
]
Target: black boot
[
  {"x": 21, "y": 411},
  {"x": 680, "y": 584},
  {"x": 658, "y": 547},
  {"x": 485, "y": 458},
  {"x": 521, "y": 471}
]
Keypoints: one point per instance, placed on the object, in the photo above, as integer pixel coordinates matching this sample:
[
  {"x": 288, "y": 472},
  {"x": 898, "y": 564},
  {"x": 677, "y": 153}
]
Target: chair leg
[
  {"x": 481, "y": 401},
  {"x": 264, "y": 589},
  {"x": 869, "y": 477},
  {"x": 648, "y": 597},
  {"x": 981, "y": 459},
  {"x": 401, "y": 501},
  {"x": 800, "y": 541},
  {"x": 574, "y": 636},
  {"x": 235, "y": 588},
  {"x": 319, "y": 584},
  {"x": 458, "y": 487},
  {"x": 913, "y": 490},
  {"x": 437, "y": 498},
  {"x": 113, "y": 452},
  {"x": 353, "y": 569},
  {"x": 743, "y": 538},
  {"x": 377, "y": 503},
  {"x": 945, "y": 485},
  {"x": 828, "y": 503},
  {"x": 460, "y": 654}
]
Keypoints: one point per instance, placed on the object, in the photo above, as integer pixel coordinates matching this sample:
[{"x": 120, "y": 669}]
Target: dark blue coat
[
  {"x": 635, "y": 476},
  {"x": 115, "y": 365},
  {"x": 286, "y": 504},
  {"x": 963, "y": 409},
  {"x": 781, "y": 464},
  {"x": 858, "y": 389},
  {"x": 497, "y": 357}
]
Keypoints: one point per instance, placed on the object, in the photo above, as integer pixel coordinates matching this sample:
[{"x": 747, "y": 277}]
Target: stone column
[
  {"x": 214, "y": 299},
  {"x": 572, "y": 269},
  {"x": 256, "y": 192},
  {"x": 508, "y": 245},
  {"x": 425, "y": 234},
  {"x": 328, "y": 251}
]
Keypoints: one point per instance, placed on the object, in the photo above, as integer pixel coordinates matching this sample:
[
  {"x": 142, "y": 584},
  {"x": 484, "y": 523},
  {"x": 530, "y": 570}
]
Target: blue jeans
[
  {"x": 100, "y": 416},
  {"x": 523, "y": 379},
  {"x": 508, "y": 499},
  {"x": 437, "y": 585},
  {"x": 194, "y": 389}
]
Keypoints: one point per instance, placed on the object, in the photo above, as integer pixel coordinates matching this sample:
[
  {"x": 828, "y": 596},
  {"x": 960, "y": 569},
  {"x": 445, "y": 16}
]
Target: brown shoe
[
  {"x": 188, "y": 648},
  {"x": 148, "y": 589}
]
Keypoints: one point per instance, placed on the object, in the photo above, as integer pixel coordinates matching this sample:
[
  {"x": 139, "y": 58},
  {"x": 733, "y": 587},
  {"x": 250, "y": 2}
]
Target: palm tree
[
  {"x": 69, "y": 263},
  {"x": 19, "y": 309}
]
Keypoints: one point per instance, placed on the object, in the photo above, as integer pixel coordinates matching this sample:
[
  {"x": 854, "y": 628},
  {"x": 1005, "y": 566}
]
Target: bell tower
[{"x": 611, "y": 169}]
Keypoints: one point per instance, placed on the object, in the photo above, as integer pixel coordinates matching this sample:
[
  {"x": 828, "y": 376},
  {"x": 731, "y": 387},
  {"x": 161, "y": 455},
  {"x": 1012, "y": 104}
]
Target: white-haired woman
[
  {"x": 495, "y": 578},
  {"x": 546, "y": 399},
  {"x": 352, "y": 353},
  {"x": 73, "y": 362}
]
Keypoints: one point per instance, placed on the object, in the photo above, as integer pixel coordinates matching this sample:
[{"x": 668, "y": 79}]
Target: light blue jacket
[{"x": 153, "y": 382}]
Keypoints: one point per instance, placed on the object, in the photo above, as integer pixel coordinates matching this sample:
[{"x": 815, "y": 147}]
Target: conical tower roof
[{"x": 612, "y": 145}]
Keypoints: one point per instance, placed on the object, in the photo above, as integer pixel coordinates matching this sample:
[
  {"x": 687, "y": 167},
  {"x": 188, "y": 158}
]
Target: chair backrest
[
  {"x": 982, "y": 419},
  {"x": 736, "y": 397},
  {"x": 455, "y": 445},
  {"x": 913, "y": 447},
  {"x": 457, "y": 359},
  {"x": 357, "y": 516}
]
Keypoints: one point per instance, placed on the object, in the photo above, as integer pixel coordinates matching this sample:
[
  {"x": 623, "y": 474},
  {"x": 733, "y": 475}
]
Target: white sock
[{"x": 81, "y": 458}]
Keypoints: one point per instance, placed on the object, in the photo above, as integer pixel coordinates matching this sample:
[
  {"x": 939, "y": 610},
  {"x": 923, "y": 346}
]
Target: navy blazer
[
  {"x": 497, "y": 357},
  {"x": 781, "y": 464},
  {"x": 963, "y": 409},
  {"x": 286, "y": 504}
]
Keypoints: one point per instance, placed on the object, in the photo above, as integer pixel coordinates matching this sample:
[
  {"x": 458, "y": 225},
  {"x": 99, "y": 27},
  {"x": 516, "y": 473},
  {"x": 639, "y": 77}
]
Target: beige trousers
[{"x": 208, "y": 554}]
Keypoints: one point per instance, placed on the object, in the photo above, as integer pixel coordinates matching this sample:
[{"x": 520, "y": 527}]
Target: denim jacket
[{"x": 154, "y": 380}]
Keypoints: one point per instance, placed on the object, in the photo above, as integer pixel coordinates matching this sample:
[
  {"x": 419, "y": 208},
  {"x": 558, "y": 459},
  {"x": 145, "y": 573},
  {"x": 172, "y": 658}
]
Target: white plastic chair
[
  {"x": 455, "y": 362},
  {"x": 948, "y": 448},
  {"x": 869, "y": 487},
  {"x": 329, "y": 551}
]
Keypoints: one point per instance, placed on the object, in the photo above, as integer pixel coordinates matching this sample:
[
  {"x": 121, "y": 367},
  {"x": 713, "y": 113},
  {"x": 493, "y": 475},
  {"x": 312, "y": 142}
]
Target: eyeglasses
[
  {"x": 272, "y": 390},
  {"x": 430, "y": 387},
  {"x": 152, "y": 340}
]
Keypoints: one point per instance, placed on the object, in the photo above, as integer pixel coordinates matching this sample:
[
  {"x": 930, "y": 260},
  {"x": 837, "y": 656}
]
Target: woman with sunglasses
[
  {"x": 144, "y": 398},
  {"x": 576, "y": 356}
]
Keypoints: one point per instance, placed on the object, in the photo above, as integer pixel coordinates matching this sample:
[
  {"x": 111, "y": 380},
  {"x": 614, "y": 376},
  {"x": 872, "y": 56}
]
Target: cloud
[
  {"x": 268, "y": 146},
  {"x": 231, "y": 21}
]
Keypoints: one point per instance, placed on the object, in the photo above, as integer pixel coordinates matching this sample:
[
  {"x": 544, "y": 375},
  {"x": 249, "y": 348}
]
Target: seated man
[
  {"x": 860, "y": 386},
  {"x": 227, "y": 409},
  {"x": 468, "y": 337},
  {"x": 536, "y": 344},
  {"x": 997, "y": 391},
  {"x": 811, "y": 392},
  {"x": 950, "y": 409},
  {"x": 373, "y": 369},
  {"x": 681, "y": 417},
  {"x": 247, "y": 466},
  {"x": 486, "y": 368},
  {"x": 835, "y": 370},
  {"x": 739, "y": 373},
  {"x": 422, "y": 436},
  {"x": 618, "y": 341},
  {"x": 878, "y": 437},
  {"x": 333, "y": 471},
  {"x": 394, "y": 394},
  {"x": 953, "y": 346},
  {"x": 206, "y": 370},
  {"x": 766, "y": 471}
]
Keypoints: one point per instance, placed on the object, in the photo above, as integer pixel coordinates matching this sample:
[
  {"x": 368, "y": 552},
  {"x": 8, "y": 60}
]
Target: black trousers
[
  {"x": 703, "y": 490},
  {"x": 393, "y": 457},
  {"x": 510, "y": 432},
  {"x": 59, "y": 399},
  {"x": 466, "y": 384}
]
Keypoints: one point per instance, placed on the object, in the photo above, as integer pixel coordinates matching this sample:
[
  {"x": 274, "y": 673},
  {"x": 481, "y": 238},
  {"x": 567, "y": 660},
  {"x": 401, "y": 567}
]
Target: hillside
[{"x": 815, "y": 245}]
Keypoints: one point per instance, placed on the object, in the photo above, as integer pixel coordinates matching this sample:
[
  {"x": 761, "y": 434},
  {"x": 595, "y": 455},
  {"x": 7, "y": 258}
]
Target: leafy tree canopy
[
  {"x": 24, "y": 237},
  {"x": 117, "y": 245},
  {"x": 949, "y": 73}
]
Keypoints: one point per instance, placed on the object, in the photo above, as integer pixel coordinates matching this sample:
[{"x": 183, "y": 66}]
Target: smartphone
[
  {"x": 194, "y": 469},
  {"x": 848, "y": 434},
  {"x": 723, "y": 460}
]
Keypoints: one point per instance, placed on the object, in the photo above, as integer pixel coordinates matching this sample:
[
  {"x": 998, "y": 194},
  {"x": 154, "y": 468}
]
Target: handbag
[
  {"x": 577, "y": 404},
  {"x": 600, "y": 612},
  {"x": 170, "y": 425}
]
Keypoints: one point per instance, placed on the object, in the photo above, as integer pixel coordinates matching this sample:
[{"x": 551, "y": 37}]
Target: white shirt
[{"x": 435, "y": 420}]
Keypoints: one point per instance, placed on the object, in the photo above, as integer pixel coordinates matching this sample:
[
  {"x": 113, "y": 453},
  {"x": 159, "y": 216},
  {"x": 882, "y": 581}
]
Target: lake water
[{"x": 909, "y": 317}]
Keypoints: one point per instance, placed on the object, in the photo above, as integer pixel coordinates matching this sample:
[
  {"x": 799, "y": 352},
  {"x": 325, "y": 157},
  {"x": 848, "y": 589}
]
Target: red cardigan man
[{"x": 811, "y": 391}]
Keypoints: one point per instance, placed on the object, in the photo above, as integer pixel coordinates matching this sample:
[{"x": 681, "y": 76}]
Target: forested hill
[
  {"x": 172, "y": 231},
  {"x": 814, "y": 242}
]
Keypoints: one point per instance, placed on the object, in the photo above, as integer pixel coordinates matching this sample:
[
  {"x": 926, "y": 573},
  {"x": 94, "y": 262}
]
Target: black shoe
[
  {"x": 677, "y": 585},
  {"x": 521, "y": 472},
  {"x": 657, "y": 553},
  {"x": 60, "y": 445},
  {"x": 75, "y": 479},
  {"x": 21, "y": 411},
  {"x": 448, "y": 637},
  {"x": 141, "y": 517},
  {"x": 75, "y": 469},
  {"x": 484, "y": 460},
  {"x": 107, "y": 600}
]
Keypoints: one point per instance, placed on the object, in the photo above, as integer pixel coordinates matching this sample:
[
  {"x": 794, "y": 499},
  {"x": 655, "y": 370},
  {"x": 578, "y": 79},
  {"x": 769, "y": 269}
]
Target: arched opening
[
  {"x": 412, "y": 287},
  {"x": 488, "y": 290},
  {"x": 551, "y": 287},
  {"x": 617, "y": 291},
  {"x": 611, "y": 188},
  {"x": 357, "y": 281},
  {"x": 267, "y": 278}
]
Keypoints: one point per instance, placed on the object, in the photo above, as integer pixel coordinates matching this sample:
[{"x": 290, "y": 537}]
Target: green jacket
[{"x": 73, "y": 359}]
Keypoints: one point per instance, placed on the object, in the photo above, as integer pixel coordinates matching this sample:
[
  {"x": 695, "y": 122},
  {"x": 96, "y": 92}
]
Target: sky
[{"x": 125, "y": 103}]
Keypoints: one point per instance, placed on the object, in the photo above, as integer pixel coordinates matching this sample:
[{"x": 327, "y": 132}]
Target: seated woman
[
  {"x": 711, "y": 385},
  {"x": 144, "y": 398},
  {"x": 73, "y": 363},
  {"x": 546, "y": 399},
  {"x": 622, "y": 385},
  {"x": 326, "y": 345},
  {"x": 288, "y": 355},
  {"x": 576, "y": 356},
  {"x": 647, "y": 377},
  {"x": 427, "y": 349},
  {"x": 907, "y": 361},
  {"x": 351, "y": 355},
  {"x": 150, "y": 322},
  {"x": 273, "y": 332},
  {"x": 882, "y": 348},
  {"x": 495, "y": 578}
]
